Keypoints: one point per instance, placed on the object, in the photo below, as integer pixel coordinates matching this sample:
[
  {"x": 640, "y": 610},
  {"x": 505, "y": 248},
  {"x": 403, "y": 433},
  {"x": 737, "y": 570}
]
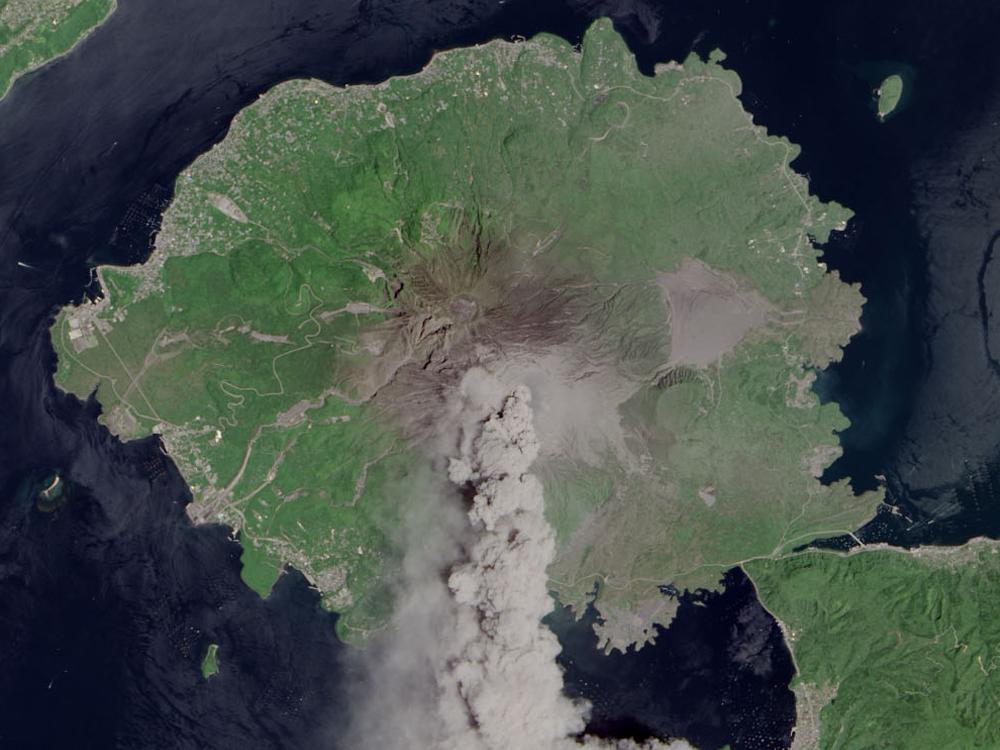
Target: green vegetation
[
  {"x": 889, "y": 94},
  {"x": 890, "y": 83},
  {"x": 899, "y": 647},
  {"x": 33, "y": 32},
  {"x": 254, "y": 422},
  {"x": 731, "y": 483},
  {"x": 210, "y": 664},
  {"x": 641, "y": 248}
]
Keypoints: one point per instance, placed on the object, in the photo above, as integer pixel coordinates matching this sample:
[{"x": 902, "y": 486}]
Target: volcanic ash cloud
[
  {"x": 469, "y": 664},
  {"x": 501, "y": 687}
]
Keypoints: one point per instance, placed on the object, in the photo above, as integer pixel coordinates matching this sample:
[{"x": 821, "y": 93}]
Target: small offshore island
[
  {"x": 889, "y": 95},
  {"x": 210, "y": 662},
  {"x": 50, "y": 497}
]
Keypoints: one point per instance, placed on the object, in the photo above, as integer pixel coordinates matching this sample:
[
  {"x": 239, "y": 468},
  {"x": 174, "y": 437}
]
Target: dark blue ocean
[{"x": 108, "y": 602}]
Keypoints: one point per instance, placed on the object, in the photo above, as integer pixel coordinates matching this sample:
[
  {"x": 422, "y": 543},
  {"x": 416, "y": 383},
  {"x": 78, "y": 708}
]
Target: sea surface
[
  {"x": 718, "y": 676},
  {"x": 108, "y": 601}
]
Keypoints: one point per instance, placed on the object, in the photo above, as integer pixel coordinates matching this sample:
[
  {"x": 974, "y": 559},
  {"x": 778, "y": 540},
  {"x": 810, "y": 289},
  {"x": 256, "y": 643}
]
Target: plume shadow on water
[{"x": 717, "y": 676}]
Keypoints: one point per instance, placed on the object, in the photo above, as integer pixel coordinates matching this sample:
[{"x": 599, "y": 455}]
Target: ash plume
[
  {"x": 468, "y": 664},
  {"x": 501, "y": 672}
]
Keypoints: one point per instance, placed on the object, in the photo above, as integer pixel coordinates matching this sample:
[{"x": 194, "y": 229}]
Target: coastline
[{"x": 17, "y": 74}]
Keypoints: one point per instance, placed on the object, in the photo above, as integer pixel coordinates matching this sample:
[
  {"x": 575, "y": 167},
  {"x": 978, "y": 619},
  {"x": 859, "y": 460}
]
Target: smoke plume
[{"x": 469, "y": 664}]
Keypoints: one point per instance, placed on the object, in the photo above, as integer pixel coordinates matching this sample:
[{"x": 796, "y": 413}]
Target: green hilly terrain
[
  {"x": 894, "y": 648},
  {"x": 633, "y": 248}
]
